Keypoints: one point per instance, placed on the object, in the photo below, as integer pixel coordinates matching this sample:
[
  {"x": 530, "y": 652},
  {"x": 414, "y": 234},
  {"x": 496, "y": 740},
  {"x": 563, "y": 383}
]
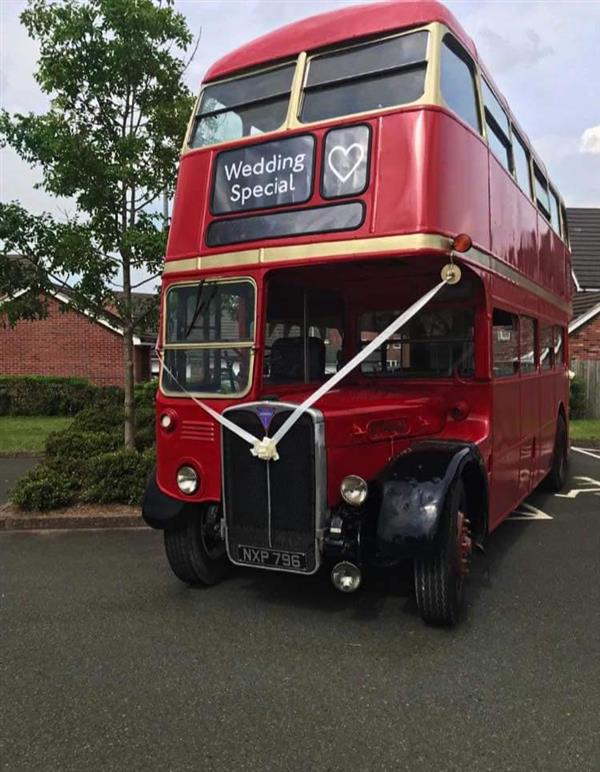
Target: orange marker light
[{"x": 462, "y": 243}]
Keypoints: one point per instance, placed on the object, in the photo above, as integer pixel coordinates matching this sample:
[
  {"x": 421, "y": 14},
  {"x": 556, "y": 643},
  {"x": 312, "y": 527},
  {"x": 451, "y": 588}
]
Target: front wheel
[
  {"x": 196, "y": 551},
  {"x": 439, "y": 578}
]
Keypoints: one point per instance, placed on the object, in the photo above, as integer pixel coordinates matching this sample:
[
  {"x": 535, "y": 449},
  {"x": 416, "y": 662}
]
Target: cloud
[
  {"x": 505, "y": 54},
  {"x": 590, "y": 141}
]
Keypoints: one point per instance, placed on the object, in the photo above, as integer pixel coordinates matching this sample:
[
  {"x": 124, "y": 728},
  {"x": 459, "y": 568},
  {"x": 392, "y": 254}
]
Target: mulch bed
[{"x": 78, "y": 516}]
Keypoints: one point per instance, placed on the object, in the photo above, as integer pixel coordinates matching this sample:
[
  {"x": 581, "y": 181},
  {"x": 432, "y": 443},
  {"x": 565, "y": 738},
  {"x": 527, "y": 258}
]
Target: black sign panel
[
  {"x": 262, "y": 176},
  {"x": 346, "y": 162},
  {"x": 299, "y": 222}
]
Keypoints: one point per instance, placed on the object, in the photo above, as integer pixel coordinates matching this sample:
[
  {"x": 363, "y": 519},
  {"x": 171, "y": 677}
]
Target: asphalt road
[{"x": 109, "y": 663}]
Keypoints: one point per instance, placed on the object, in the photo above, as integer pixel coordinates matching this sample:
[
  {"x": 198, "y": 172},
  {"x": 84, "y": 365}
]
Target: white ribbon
[{"x": 266, "y": 449}]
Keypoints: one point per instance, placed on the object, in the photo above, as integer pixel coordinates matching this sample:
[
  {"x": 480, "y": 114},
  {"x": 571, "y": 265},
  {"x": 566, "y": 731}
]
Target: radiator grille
[{"x": 271, "y": 505}]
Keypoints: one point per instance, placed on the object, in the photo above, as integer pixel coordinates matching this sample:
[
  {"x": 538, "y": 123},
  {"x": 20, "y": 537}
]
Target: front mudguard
[
  {"x": 414, "y": 489},
  {"x": 159, "y": 510}
]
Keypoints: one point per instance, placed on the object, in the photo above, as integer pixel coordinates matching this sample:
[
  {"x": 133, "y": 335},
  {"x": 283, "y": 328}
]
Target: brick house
[
  {"x": 584, "y": 328},
  {"x": 68, "y": 342}
]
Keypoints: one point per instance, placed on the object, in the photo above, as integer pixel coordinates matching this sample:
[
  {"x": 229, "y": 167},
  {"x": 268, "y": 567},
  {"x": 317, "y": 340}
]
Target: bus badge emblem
[{"x": 265, "y": 415}]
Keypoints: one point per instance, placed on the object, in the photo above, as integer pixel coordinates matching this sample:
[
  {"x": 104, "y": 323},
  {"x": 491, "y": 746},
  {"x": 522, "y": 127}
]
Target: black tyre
[
  {"x": 557, "y": 476},
  {"x": 439, "y": 578},
  {"x": 196, "y": 551}
]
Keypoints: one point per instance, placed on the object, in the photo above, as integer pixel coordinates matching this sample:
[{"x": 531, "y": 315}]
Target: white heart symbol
[{"x": 346, "y": 151}]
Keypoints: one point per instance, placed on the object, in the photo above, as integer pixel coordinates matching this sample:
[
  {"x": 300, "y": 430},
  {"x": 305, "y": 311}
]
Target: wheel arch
[{"x": 414, "y": 490}]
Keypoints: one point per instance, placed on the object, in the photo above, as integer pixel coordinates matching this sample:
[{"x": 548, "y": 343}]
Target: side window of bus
[
  {"x": 497, "y": 127},
  {"x": 541, "y": 191},
  {"x": 521, "y": 157},
  {"x": 565, "y": 224},
  {"x": 527, "y": 345},
  {"x": 505, "y": 341},
  {"x": 559, "y": 349},
  {"x": 546, "y": 347},
  {"x": 554, "y": 212},
  {"x": 365, "y": 77},
  {"x": 458, "y": 82}
]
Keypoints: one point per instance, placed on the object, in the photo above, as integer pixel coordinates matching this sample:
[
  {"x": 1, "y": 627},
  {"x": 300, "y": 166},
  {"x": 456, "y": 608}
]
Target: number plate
[{"x": 260, "y": 556}]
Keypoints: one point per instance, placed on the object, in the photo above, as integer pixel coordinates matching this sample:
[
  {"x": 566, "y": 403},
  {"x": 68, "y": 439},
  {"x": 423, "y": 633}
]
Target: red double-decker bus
[{"x": 326, "y": 399}]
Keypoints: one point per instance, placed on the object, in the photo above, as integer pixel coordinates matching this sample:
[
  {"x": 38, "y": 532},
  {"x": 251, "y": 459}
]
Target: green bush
[
  {"x": 42, "y": 489},
  {"x": 577, "y": 402},
  {"x": 118, "y": 476},
  {"x": 79, "y": 445},
  {"x": 88, "y": 462},
  {"x": 41, "y": 395},
  {"x": 145, "y": 393},
  {"x": 99, "y": 418}
]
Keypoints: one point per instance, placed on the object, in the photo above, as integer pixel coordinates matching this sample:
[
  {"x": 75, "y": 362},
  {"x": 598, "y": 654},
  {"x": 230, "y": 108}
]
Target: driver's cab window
[{"x": 304, "y": 334}]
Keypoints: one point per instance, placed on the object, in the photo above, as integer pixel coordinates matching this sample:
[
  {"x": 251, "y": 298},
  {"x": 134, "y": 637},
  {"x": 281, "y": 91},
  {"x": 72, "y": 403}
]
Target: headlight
[
  {"x": 354, "y": 490},
  {"x": 168, "y": 420},
  {"x": 187, "y": 479}
]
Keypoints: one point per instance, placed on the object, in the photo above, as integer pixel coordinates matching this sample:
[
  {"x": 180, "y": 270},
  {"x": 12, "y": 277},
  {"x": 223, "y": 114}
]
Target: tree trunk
[
  {"x": 129, "y": 404},
  {"x": 128, "y": 354}
]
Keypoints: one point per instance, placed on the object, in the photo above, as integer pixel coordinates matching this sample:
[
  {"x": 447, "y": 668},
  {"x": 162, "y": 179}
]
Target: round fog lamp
[
  {"x": 346, "y": 577},
  {"x": 354, "y": 490},
  {"x": 166, "y": 421},
  {"x": 187, "y": 479}
]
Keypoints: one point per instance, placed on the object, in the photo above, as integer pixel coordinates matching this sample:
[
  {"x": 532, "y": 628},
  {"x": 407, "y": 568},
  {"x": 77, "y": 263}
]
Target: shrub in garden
[
  {"x": 577, "y": 406},
  {"x": 118, "y": 476},
  {"x": 42, "y": 489},
  {"x": 145, "y": 393}
]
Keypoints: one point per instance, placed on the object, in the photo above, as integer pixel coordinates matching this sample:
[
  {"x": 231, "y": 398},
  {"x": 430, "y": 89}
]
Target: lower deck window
[
  {"x": 435, "y": 343},
  {"x": 505, "y": 343}
]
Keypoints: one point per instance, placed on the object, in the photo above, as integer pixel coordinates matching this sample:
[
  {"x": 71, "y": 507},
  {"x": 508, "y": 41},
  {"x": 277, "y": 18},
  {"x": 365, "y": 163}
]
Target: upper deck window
[
  {"x": 497, "y": 127},
  {"x": 554, "y": 211},
  {"x": 458, "y": 83},
  {"x": 243, "y": 107},
  {"x": 541, "y": 191},
  {"x": 521, "y": 156},
  {"x": 367, "y": 77}
]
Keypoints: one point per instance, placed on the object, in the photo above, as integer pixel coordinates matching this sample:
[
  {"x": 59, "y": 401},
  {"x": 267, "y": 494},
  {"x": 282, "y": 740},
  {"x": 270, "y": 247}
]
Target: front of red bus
[{"x": 301, "y": 230}]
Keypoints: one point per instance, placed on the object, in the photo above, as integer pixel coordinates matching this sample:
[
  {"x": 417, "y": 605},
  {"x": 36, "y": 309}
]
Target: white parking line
[
  {"x": 528, "y": 512},
  {"x": 586, "y": 452}
]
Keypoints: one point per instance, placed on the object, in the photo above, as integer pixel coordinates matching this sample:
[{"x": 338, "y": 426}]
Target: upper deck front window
[
  {"x": 243, "y": 107},
  {"x": 366, "y": 77}
]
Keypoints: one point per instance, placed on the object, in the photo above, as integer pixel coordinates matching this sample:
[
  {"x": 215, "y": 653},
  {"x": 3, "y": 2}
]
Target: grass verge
[
  {"x": 27, "y": 434},
  {"x": 585, "y": 429}
]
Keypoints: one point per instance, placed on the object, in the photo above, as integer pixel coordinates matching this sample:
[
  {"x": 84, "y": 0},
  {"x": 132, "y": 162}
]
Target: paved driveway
[
  {"x": 109, "y": 663},
  {"x": 12, "y": 469}
]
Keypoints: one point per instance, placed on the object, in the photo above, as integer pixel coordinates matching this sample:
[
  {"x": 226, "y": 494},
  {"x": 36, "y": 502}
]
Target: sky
[{"x": 544, "y": 56}]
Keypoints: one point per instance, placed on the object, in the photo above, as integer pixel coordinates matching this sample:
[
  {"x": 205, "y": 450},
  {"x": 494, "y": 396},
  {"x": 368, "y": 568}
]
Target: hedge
[
  {"x": 87, "y": 462},
  {"x": 577, "y": 403},
  {"x": 45, "y": 395}
]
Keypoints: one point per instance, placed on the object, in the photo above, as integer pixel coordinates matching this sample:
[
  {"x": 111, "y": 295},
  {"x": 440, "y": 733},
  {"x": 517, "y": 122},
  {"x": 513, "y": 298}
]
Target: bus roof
[{"x": 345, "y": 24}]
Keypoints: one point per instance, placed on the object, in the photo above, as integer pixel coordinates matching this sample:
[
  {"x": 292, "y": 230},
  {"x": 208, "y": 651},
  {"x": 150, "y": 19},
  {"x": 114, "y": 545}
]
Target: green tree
[{"x": 110, "y": 141}]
